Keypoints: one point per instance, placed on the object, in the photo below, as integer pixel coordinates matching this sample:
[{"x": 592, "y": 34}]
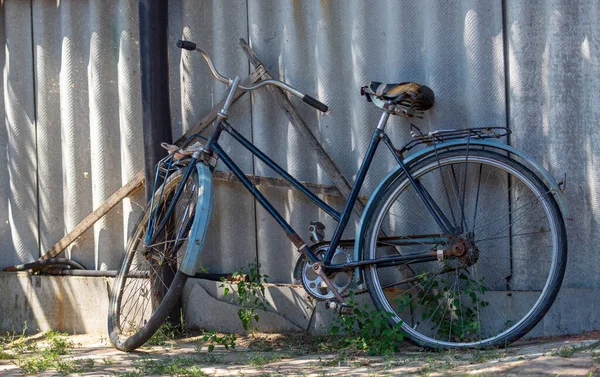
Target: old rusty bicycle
[{"x": 463, "y": 243}]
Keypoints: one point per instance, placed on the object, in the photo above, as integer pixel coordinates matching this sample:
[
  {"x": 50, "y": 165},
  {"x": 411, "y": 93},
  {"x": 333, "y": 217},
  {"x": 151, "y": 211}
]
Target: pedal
[
  {"x": 342, "y": 308},
  {"x": 330, "y": 304},
  {"x": 345, "y": 309},
  {"x": 317, "y": 231}
]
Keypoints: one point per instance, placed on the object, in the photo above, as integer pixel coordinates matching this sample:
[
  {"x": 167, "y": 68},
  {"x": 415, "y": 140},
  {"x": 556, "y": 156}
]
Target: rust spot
[{"x": 296, "y": 240}]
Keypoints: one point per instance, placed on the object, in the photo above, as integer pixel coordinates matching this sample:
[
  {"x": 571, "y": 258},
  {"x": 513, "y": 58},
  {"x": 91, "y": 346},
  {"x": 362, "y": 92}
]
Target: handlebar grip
[
  {"x": 315, "y": 103},
  {"x": 187, "y": 45}
]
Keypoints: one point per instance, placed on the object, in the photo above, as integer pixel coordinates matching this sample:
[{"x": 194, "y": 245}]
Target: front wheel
[
  {"x": 148, "y": 284},
  {"x": 508, "y": 242}
]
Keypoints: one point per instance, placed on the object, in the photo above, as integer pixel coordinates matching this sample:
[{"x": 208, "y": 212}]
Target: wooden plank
[
  {"x": 277, "y": 182},
  {"x": 129, "y": 188},
  {"x": 333, "y": 172}
]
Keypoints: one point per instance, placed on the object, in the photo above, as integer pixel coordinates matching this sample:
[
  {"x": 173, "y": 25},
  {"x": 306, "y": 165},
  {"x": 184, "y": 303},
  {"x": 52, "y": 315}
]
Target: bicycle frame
[{"x": 342, "y": 218}]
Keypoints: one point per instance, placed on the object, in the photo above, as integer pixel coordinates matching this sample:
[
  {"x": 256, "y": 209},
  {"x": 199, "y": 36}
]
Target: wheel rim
[
  {"x": 428, "y": 306},
  {"x": 140, "y": 284}
]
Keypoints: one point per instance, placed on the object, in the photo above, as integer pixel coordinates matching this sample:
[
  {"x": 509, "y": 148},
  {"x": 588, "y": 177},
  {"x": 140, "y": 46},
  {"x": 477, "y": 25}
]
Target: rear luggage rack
[{"x": 438, "y": 136}]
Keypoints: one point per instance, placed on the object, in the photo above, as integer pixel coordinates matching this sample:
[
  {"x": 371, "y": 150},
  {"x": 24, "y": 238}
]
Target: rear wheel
[
  {"x": 509, "y": 251},
  {"x": 148, "y": 284}
]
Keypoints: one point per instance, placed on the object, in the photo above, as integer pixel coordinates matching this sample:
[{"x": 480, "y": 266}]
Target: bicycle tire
[
  {"x": 415, "y": 296},
  {"x": 129, "y": 289}
]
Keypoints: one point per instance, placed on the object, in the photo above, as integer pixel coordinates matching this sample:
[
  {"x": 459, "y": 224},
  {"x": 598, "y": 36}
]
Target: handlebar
[{"x": 191, "y": 46}]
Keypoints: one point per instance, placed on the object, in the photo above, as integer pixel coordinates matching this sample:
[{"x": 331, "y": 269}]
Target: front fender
[
  {"x": 191, "y": 261},
  {"x": 522, "y": 158}
]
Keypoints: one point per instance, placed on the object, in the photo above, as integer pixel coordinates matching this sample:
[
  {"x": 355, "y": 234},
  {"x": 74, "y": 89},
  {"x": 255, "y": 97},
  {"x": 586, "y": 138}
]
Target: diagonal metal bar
[
  {"x": 135, "y": 184},
  {"x": 333, "y": 172}
]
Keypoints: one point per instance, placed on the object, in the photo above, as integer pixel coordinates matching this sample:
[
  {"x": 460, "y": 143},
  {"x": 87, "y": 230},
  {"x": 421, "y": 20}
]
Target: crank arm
[{"x": 319, "y": 271}]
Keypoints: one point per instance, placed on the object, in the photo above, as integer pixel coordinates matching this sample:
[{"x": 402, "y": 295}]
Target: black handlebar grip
[
  {"x": 187, "y": 45},
  {"x": 315, "y": 103}
]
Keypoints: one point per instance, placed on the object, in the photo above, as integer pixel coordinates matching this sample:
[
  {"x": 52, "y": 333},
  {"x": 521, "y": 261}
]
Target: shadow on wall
[
  {"x": 332, "y": 51},
  {"x": 554, "y": 57},
  {"x": 19, "y": 168},
  {"x": 43, "y": 303}
]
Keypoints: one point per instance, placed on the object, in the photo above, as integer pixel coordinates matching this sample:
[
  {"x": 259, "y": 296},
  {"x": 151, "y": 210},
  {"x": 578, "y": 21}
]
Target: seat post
[{"x": 383, "y": 120}]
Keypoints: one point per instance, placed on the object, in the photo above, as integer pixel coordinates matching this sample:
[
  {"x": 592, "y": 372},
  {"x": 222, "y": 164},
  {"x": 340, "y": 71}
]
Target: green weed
[
  {"x": 464, "y": 304},
  {"x": 250, "y": 294},
  {"x": 108, "y": 362},
  {"x": 67, "y": 367},
  {"x": 213, "y": 338},
  {"x": 58, "y": 344},
  {"x": 367, "y": 330},
  {"x": 177, "y": 366},
  {"x": 35, "y": 365},
  {"x": 166, "y": 333},
  {"x": 48, "y": 355},
  {"x": 568, "y": 351}
]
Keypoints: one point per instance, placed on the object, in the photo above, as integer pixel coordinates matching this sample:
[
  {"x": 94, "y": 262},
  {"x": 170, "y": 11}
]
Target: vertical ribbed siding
[
  {"x": 333, "y": 48},
  {"x": 104, "y": 127},
  {"x": 88, "y": 99},
  {"x": 554, "y": 60},
  {"x": 19, "y": 166},
  {"x": 87, "y": 90},
  {"x": 73, "y": 53},
  {"x": 46, "y": 43},
  {"x": 8, "y": 254},
  {"x": 130, "y": 117},
  {"x": 215, "y": 26}
]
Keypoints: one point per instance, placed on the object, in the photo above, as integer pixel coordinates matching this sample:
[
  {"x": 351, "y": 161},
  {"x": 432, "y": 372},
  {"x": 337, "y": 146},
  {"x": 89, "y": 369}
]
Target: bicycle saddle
[{"x": 415, "y": 97}]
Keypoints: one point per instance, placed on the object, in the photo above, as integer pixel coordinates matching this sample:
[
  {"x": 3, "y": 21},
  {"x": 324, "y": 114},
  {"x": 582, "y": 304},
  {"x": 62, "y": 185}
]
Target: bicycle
[{"x": 445, "y": 244}]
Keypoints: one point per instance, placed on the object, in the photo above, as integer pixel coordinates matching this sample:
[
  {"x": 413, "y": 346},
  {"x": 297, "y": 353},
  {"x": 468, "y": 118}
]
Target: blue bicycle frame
[
  {"x": 343, "y": 217},
  {"x": 447, "y": 229}
]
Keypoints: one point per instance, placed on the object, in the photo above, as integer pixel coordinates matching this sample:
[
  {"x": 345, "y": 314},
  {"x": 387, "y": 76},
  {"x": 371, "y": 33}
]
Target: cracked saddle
[{"x": 410, "y": 95}]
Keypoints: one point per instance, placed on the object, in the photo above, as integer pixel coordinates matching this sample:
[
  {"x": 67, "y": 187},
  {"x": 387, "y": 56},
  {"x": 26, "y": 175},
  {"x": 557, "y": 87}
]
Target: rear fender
[{"x": 495, "y": 146}]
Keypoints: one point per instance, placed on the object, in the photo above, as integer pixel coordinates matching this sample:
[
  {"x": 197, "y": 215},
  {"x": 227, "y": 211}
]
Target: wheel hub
[{"x": 465, "y": 250}]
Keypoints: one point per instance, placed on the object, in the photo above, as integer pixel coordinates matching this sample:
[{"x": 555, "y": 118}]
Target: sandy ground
[{"x": 299, "y": 355}]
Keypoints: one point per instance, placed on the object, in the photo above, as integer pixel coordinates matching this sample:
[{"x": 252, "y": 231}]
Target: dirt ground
[{"x": 293, "y": 355}]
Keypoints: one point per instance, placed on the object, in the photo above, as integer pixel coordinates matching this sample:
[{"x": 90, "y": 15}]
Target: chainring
[{"x": 315, "y": 285}]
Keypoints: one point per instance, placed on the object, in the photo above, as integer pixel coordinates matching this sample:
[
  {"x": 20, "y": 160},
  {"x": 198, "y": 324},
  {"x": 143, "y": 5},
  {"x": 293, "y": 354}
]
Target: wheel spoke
[
  {"x": 466, "y": 299},
  {"x": 136, "y": 298}
]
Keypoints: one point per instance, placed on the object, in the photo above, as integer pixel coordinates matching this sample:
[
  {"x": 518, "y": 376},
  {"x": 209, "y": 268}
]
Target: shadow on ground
[{"x": 298, "y": 355}]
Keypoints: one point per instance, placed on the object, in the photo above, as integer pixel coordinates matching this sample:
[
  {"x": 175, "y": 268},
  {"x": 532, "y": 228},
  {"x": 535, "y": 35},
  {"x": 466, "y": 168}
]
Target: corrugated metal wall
[
  {"x": 554, "y": 102},
  {"x": 71, "y": 134}
]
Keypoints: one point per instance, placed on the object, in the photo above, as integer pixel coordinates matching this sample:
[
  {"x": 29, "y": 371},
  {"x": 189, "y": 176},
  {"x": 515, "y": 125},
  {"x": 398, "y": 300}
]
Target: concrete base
[
  {"x": 72, "y": 304},
  {"x": 80, "y": 304}
]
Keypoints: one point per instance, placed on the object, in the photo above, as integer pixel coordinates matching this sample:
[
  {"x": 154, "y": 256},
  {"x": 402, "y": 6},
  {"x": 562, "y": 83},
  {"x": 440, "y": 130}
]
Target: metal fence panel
[
  {"x": 554, "y": 60},
  {"x": 70, "y": 133},
  {"x": 333, "y": 48},
  {"x": 215, "y": 26},
  {"x": 18, "y": 163}
]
